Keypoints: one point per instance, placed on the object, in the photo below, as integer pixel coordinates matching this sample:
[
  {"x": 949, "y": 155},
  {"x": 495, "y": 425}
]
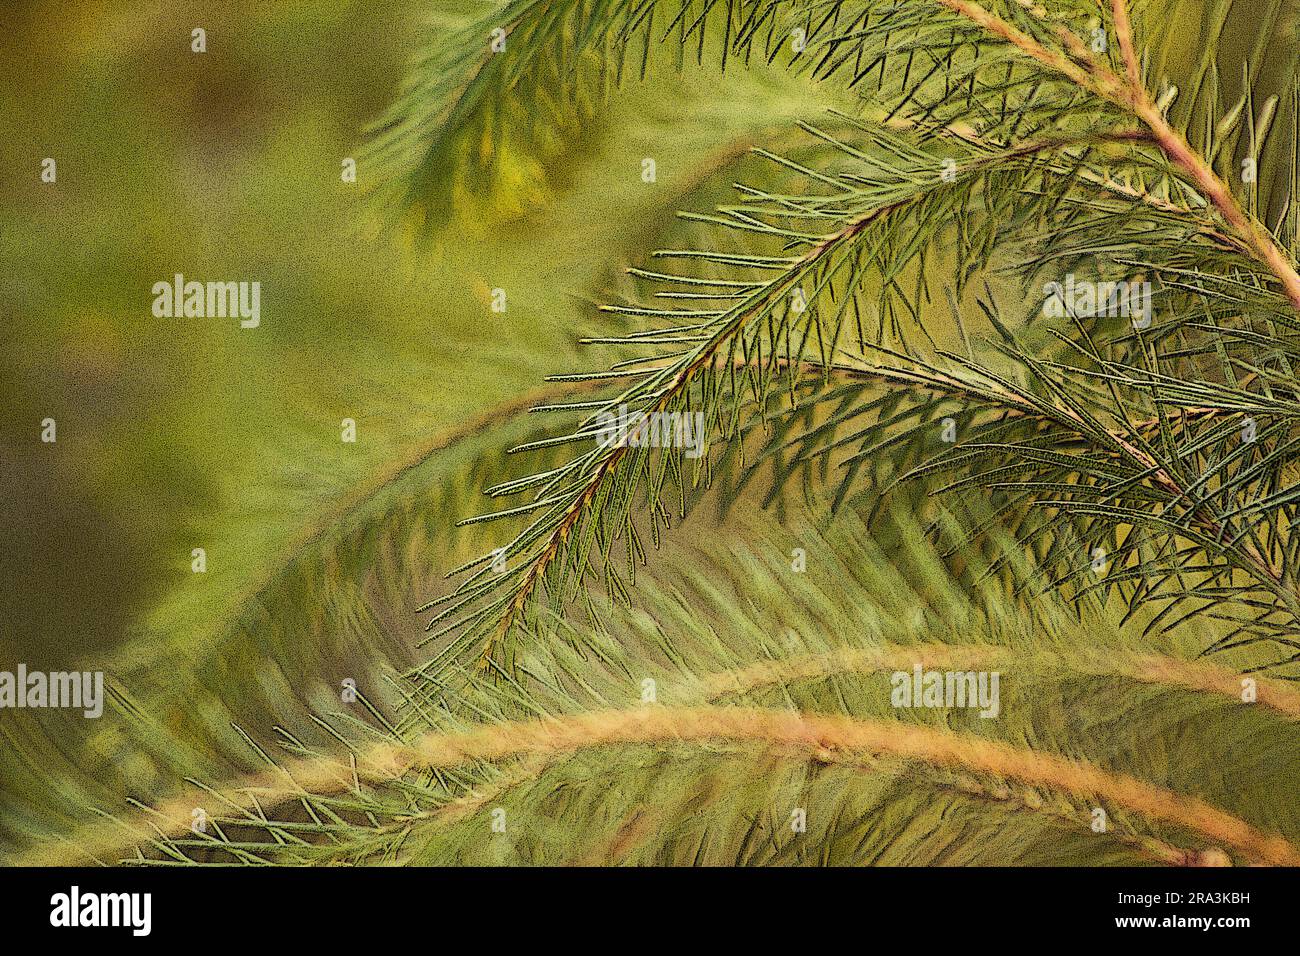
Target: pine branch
[{"x": 586, "y": 505}]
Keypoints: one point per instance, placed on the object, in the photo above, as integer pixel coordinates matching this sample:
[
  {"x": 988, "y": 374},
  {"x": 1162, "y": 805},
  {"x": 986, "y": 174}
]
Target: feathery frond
[{"x": 1020, "y": 151}]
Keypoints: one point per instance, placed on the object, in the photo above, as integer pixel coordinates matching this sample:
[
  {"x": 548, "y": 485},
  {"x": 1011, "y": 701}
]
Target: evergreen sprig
[{"x": 1022, "y": 151}]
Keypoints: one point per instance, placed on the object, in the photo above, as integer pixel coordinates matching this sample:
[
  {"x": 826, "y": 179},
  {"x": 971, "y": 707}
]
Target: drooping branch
[
  {"x": 826, "y": 737},
  {"x": 1130, "y": 93}
]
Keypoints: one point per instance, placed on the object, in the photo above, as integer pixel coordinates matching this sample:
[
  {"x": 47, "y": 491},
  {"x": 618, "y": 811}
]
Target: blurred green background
[{"x": 175, "y": 434}]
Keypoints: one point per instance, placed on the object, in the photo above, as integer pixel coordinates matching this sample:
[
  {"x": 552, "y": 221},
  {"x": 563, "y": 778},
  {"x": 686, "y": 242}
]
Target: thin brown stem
[
  {"x": 1124, "y": 33},
  {"x": 1207, "y": 182}
]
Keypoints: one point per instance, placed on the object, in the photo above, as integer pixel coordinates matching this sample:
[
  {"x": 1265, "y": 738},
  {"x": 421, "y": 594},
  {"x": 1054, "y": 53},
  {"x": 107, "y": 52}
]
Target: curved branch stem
[{"x": 1130, "y": 93}]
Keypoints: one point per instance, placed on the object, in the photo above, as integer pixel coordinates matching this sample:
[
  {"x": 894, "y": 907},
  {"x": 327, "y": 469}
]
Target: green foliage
[
  {"x": 732, "y": 629},
  {"x": 952, "y": 490},
  {"x": 1024, "y": 154}
]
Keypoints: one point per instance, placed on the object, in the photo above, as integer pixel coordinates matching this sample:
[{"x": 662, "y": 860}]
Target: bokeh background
[{"x": 182, "y": 433}]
